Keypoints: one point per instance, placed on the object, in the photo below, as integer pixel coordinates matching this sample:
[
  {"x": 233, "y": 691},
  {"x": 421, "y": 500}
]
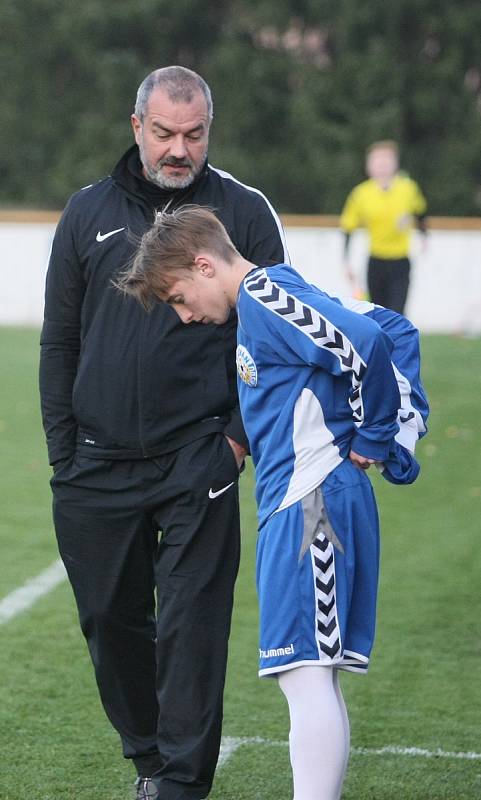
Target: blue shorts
[{"x": 317, "y": 577}]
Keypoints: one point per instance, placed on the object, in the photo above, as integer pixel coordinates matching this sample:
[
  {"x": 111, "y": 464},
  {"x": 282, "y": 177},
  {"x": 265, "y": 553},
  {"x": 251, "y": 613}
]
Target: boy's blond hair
[{"x": 171, "y": 245}]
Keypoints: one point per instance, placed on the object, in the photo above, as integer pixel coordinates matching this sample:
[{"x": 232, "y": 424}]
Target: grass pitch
[{"x": 423, "y": 689}]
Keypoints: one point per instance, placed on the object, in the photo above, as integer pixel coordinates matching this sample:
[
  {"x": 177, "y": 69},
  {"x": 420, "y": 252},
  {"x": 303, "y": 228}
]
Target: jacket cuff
[
  {"x": 369, "y": 448},
  {"x": 235, "y": 430},
  {"x": 57, "y": 454},
  {"x": 401, "y": 467}
]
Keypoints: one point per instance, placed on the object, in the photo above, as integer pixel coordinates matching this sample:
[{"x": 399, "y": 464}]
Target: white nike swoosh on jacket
[{"x": 102, "y": 236}]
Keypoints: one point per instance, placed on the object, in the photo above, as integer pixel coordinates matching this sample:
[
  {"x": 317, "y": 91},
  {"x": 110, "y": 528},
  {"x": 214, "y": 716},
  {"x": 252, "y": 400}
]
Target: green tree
[
  {"x": 346, "y": 74},
  {"x": 300, "y": 87}
]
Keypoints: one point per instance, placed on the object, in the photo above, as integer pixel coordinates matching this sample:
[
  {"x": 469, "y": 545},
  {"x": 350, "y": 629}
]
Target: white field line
[
  {"x": 230, "y": 744},
  {"x": 25, "y": 596},
  {"x": 414, "y": 751}
]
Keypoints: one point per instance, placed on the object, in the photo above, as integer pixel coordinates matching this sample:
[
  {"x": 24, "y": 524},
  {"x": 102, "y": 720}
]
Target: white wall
[
  {"x": 445, "y": 291},
  {"x": 24, "y": 250}
]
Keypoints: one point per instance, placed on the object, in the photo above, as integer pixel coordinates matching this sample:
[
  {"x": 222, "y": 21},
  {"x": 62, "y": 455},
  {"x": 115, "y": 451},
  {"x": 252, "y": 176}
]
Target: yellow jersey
[{"x": 387, "y": 214}]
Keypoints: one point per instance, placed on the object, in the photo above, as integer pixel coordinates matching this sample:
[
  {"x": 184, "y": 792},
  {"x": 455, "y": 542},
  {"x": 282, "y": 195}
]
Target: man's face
[
  {"x": 197, "y": 297},
  {"x": 382, "y": 164},
  {"x": 173, "y": 139}
]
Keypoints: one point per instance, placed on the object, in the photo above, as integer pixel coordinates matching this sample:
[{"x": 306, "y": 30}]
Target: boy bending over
[{"x": 325, "y": 391}]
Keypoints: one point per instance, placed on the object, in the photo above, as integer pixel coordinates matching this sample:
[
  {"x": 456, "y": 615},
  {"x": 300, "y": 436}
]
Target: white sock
[
  {"x": 319, "y": 735},
  {"x": 345, "y": 720}
]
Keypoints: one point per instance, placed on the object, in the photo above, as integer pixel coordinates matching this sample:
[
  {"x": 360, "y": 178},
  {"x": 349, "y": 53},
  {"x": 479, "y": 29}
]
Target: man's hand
[
  {"x": 361, "y": 461},
  {"x": 239, "y": 452}
]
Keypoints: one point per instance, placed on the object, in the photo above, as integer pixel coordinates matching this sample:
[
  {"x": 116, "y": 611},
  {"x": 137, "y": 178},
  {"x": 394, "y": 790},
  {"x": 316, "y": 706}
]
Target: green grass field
[{"x": 423, "y": 689}]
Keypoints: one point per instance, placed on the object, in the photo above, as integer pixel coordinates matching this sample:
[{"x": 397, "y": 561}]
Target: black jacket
[{"x": 115, "y": 381}]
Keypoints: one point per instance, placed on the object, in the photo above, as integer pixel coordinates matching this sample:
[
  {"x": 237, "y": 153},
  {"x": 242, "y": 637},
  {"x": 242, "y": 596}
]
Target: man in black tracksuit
[{"x": 146, "y": 441}]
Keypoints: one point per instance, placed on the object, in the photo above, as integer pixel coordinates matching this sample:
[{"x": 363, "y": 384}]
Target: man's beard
[{"x": 155, "y": 174}]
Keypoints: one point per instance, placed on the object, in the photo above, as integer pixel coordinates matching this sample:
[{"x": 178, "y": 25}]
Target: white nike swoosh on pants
[{"x": 213, "y": 494}]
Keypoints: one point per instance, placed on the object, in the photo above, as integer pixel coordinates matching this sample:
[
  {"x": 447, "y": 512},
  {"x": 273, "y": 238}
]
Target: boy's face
[{"x": 197, "y": 296}]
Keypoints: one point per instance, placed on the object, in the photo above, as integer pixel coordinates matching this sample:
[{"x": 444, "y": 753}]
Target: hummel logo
[
  {"x": 213, "y": 494},
  {"x": 279, "y": 651},
  {"x": 102, "y": 236},
  {"x": 407, "y": 417}
]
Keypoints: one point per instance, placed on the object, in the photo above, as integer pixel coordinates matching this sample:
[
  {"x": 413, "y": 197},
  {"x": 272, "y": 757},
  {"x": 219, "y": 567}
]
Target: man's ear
[
  {"x": 136, "y": 127},
  {"x": 204, "y": 264}
]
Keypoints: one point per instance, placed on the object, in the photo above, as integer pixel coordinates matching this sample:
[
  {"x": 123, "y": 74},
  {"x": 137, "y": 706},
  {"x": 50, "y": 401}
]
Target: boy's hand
[{"x": 361, "y": 461}]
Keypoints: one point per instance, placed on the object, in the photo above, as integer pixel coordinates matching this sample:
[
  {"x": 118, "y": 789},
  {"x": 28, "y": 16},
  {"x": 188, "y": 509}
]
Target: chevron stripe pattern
[
  {"x": 327, "y": 628},
  {"x": 319, "y": 329}
]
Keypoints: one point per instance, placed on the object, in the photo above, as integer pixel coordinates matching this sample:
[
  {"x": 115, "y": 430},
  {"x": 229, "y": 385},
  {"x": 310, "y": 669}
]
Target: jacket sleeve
[
  {"x": 235, "y": 429},
  {"x": 320, "y": 332},
  {"x": 406, "y": 361},
  {"x": 400, "y": 466},
  {"x": 265, "y": 242},
  {"x": 60, "y": 341}
]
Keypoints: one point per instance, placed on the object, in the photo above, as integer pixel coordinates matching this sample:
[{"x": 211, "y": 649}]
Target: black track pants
[
  {"x": 125, "y": 528},
  {"x": 388, "y": 282}
]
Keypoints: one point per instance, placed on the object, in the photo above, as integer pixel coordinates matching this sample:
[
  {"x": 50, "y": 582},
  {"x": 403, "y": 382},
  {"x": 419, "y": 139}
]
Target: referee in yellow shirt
[{"x": 387, "y": 205}]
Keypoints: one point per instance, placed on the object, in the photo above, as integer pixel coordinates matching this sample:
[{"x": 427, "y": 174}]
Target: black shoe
[{"x": 146, "y": 789}]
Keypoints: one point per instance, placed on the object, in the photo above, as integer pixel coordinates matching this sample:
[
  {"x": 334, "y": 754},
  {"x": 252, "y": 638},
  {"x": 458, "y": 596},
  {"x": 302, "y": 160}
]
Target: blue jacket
[{"x": 316, "y": 379}]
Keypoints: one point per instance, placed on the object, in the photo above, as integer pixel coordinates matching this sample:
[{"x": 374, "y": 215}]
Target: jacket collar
[{"x": 128, "y": 174}]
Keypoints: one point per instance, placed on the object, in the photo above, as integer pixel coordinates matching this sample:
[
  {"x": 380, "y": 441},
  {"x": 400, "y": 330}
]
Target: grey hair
[{"x": 180, "y": 84}]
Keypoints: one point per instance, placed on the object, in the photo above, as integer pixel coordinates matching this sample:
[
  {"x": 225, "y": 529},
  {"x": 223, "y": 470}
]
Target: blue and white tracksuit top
[{"x": 318, "y": 377}]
